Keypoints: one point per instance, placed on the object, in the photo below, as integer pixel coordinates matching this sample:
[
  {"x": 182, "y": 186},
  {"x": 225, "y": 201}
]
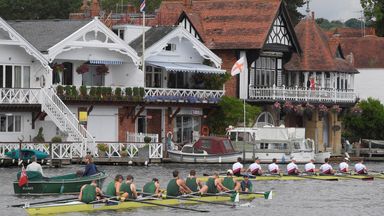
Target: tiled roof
[
  {"x": 367, "y": 51},
  {"x": 224, "y": 24},
  {"x": 152, "y": 36},
  {"x": 43, "y": 34},
  {"x": 316, "y": 52}
]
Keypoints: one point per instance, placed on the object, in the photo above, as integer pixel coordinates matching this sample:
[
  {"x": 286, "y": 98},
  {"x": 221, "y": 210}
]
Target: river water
[{"x": 301, "y": 198}]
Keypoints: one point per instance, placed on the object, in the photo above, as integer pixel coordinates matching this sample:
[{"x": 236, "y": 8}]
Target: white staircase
[{"x": 67, "y": 122}]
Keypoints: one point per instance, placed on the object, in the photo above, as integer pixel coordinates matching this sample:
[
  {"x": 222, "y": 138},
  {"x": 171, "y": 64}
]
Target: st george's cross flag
[
  {"x": 142, "y": 6},
  {"x": 23, "y": 177},
  {"x": 238, "y": 67}
]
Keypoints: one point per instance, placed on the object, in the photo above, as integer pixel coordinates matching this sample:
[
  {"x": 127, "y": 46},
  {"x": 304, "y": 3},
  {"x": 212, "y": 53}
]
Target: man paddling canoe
[
  {"x": 273, "y": 168},
  {"x": 360, "y": 168},
  {"x": 128, "y": 188},
  {"x": 152, "y": 188},
  {"x": 90, "y": 192},
  {"x": 237, "y": 167},
  {"x": 113, "y": 188},
  {"x": 192, "y": 182},
  {"x": 326, "y": 168},
  {"x": 255, "y": 168},
  {"x": 176, "y": 186},
  {"x": 343, "y": 166}
]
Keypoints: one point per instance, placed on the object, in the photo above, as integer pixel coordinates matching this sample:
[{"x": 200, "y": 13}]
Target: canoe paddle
[{"x": 43, "y": 202}]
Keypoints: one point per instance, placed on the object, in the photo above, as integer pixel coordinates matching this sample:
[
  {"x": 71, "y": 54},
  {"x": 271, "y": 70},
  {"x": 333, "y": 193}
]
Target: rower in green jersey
[
  {"x": 113, "y": 188},
  {"x": 229, "y": 182},
  {"x": 152, "y": 188},
  {"x": 176, "y": 186},
  {"x": 128, "y": 188},
  {"x": 192, "y": 182},
  {"x": 90, "y": 192},
  {"x": 214, "y": 185}
]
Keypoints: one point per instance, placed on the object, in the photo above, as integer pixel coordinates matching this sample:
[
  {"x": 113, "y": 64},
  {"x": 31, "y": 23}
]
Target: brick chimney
[
  {"x": 85, "y": 6},
  {"x": 313, "y": 15},
  {"x": 95, "y": 8}
]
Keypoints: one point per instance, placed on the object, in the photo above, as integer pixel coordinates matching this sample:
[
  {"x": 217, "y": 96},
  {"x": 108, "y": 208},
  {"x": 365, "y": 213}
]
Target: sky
[{"x": 335, "y": 9}]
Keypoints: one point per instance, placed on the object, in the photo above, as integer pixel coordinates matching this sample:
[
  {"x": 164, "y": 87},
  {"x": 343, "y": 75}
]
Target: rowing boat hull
[
  {"x": 180, "y": 157},
  {"x": 81, "y": 207}
]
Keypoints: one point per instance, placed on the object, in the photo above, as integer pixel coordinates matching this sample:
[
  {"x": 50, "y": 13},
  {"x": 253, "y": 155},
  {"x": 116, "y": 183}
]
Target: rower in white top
[
  {"x": 343, "y": 166},
  {"x": 326, "y": 168},
  {"x": 255, "y": 168},
  {"x": 360, "y": 168},
  {"x": 292, "y": 168},
  {"x": 273, "y": 168},
  {"x": 310, "y": 166},
  {"x": 237, "y": 167}
]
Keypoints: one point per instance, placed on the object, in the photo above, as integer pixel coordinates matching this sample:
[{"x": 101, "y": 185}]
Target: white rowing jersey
[
  {"x": 291, "y": 167},
  {"x": 273, "y": 168},
  {"x": 360, "y": 168},
  {"x": 326, "y": 169},
  {"x": 309, "y": 167},
  {"x": 254, "y": 168},
  {"x": 237, "y": 167},
  {"x": 343, "y": 167}
]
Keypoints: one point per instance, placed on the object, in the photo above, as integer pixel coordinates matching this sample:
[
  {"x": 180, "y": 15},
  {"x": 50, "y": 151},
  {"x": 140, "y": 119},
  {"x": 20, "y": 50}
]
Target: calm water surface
[{"x": 307, "y": 197}]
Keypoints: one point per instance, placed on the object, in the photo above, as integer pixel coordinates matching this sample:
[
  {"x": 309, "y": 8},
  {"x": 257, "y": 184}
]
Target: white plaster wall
[
  {"x": 369, "y": 83},
  {"x": 86, "y": 54},
  {"x": 131, "y": 32}
]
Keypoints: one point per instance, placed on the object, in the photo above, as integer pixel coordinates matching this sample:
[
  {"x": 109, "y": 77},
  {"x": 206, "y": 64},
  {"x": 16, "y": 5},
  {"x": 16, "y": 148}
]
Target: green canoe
[
  {"x": 26, "y": 154},
  {"x": 64, "y": 184}
]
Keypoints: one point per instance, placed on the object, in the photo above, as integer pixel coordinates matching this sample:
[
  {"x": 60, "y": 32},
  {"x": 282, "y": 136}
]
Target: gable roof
[
  {"x": 367, "y": 51},
  {"x": 223, "y": 24},
  {"x": 44, "y": 34},
  {"x": 317, "y": 55}
]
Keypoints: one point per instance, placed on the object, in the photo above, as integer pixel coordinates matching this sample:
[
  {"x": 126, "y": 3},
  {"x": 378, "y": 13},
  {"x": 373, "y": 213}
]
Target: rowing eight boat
[{"x": 77, "y": 206}]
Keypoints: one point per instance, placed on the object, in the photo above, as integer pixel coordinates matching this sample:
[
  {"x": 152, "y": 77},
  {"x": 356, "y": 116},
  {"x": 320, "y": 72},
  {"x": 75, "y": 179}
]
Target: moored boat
[
  {"x": 63, "y": 184},
  {"x": 206, "y": 150},
  {"x": 77, "y": 206},
  {"x": 26, "y": 154}
]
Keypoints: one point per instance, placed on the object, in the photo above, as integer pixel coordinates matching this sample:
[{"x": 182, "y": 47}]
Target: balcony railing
[
  {"x": 19, "y": 96},
  {"x": 183, "y": 95},
  {"x": 302, "y": 94}
]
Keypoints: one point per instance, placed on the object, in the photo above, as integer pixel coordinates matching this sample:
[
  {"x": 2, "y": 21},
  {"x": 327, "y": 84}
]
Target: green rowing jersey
[
  {"x": 211, "y": 186},
  {"x": 111, "y": 189},
  {"x": 149, "y": 188},
  {"x": 229, "y": 183},
  {"x": 173, "y": 188},
  {"x": 88, "y": 194},
  {"x": 126, "y": 188},
  {"x": 191, "y": 184}
]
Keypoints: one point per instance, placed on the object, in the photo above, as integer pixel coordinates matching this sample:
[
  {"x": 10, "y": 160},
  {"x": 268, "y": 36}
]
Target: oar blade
[{"x": 268, "y": 195}]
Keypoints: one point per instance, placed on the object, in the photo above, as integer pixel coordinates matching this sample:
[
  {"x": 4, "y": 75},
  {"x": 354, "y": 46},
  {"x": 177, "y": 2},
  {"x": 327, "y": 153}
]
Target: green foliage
[
  {"x": 118, "y": 93},
  {"x": 102, "y": 147},
  {"x": 368, "y": 125},
  {"x": 147, "y": 139},
  {"x": 294, "y": 14},
  {"x": 92, "y": 92},
  {"x": 39, "y": 137},
  {"x": 110, "y": 5},
  {"x": 128, "y": 91},
  {"x": 83, "y": 91},
  {"x": 216, "y": 81},
  {"x": 353, "y": 23},
  {"x": 38, "y": 9},
  {"x": 326, "y": 24},
  {"x": 374, "y": 11},
  {"x": 141, "y": 92},
  {"x": 57, "y": 139},
  {"x": 60, "y": 90},
  {"x": 135, "y": 91},
  {"x": 230, "y": 112}
]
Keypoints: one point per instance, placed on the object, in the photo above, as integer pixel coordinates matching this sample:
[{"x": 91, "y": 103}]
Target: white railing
[
  {"x": 19, "y": 96},
  {"x": 132, "y": 149},
  {"x": 183, "y": 95},
  {"x": 139, "y": 137},
  {"x": 156, "y": 150},
  {"x": 302, "y": 94}
]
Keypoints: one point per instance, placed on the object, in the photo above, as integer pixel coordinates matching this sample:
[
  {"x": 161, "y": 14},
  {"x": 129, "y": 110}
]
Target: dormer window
[{"x": 170, "y": 47}]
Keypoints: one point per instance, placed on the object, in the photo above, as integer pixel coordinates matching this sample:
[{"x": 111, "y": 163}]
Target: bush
[
  {"x": 83, "y": 91},
  {"x": 128, "y": 91},
  {"x": 92, "y": 92},
  {"x": 39, "y": 137},
  {"x": 57, "y": 139},
  {"x": 136, "y": 91},
  {"x": 147, "y": 139},
  {"x": 118, "y": 93},
  {"x": 102, "y": 147},
  {"x": 74, "y": 92},
  {"x": 141, "y": 92},
  {"x": 68, "y": 90},
  {"x": 60, "y": 90}
]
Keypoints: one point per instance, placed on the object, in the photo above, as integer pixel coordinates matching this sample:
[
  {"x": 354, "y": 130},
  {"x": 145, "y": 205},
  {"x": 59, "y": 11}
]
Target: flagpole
[
  {"x": 244, "y": 120},
  {"x": 142, "y": 56}
]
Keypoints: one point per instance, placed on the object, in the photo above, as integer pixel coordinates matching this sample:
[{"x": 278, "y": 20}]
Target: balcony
[
  {"x": 300, "y": 94},
  {"x": 183, "y": 95}
]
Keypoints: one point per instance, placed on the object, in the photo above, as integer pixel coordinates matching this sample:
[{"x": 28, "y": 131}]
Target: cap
[
  {"x": 246, "y": 175},
  {"x": 230, "y": 172},
  {"x": 347, "y": 159},
  {"x": 292, "y": 158}
]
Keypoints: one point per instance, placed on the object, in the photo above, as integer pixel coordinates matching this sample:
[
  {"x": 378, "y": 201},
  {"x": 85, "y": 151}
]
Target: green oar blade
[{"x": 268, "y": 195}]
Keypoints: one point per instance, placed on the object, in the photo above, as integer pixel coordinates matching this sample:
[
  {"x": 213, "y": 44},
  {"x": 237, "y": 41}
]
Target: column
[
  {"x": 322, "y": 80},
  {"x": 305, "y": 79}
]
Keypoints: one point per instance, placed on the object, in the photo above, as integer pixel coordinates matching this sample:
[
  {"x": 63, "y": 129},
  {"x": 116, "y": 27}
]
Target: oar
[
  {"x": 195, "y": 200},
  {"x": 267, "y": 194},
  {"x": 43, "y": 202},
  {"x": 163, "y": 205}
]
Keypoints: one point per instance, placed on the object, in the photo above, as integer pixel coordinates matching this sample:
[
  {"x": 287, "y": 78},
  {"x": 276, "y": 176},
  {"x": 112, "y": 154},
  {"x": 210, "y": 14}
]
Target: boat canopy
[{"x": 214, "y": 145}]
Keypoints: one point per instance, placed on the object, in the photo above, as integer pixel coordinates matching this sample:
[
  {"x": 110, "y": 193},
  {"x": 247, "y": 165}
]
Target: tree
[
  {"x": 326, "y": 24},
  {"x": 294, "y": 14},
  {"x": 38, "y": 9},
  {"x": 374, "y": 11},
  {"x": 230, "y": 112},
  {"x": 353, "y": 23},
  {"x": 369, "y": 124}
]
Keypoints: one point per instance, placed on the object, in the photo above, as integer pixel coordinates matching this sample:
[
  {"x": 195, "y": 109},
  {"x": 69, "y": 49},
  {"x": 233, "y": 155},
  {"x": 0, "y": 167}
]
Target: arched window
[{"x": 265, "y": 119}]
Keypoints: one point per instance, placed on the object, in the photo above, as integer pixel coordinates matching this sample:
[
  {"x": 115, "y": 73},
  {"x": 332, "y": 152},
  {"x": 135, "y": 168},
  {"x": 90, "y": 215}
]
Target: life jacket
[
  {"x": 88, "y": 194},
  {"x": 229, "y": 183},
  {"x": 191, "y": 184},
  {"x": 126, "y": 188},
  {"x": 111, "y": 189},
  {"x": 211, "y": 186},
  {"x": 173, "y": 188}
]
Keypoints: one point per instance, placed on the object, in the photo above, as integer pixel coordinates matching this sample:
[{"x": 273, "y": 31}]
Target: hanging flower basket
[
  {"x": 299, "y": 109},
  {"x": 322, "y": 109},
  {"x": 84, "y": 68},
  {"x": 288, "y": 107},
  {"x": 356, "y": 111},
  {"x": 336, "y": 109},
  {"x": 308, "y": 110},
  {"x": 58, "y": 68},
  {"x": 276, "y": 107},
  {"x": 102, "y": 70}
]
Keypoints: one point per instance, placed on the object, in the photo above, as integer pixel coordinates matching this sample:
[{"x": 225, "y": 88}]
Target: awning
[
  {"x": 187, "y": 67},
  {"x": 106, "y": 62}
]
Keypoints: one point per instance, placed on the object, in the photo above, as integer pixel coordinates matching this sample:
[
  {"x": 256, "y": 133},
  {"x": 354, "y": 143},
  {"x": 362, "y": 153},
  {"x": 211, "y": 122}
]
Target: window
[
  {"x": 186, "y": 126},
  {"x": 10, "y": 123},
  {"x": 187, "y": 149},
  {"x": 153, "y": 77},
  {"x": 296, "y": 145},
  {"x": 170, "y": 47},
  {"x": 92, "y": 78},
  {"x": 266, "y": 70},
  {"x": 227, "y": 145},
  {"x": 14, "y": 76},
  {"x": 263, "y": 145},
  {"x": 142, "y": 124}
]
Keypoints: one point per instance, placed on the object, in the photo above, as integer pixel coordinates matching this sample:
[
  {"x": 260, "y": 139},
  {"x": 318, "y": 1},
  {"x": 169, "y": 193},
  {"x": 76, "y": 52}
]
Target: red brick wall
[
  {"x": 229, "y": 58},
  {"x": 154, "y": 124},
  {"x": 125, "y": 124}
]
